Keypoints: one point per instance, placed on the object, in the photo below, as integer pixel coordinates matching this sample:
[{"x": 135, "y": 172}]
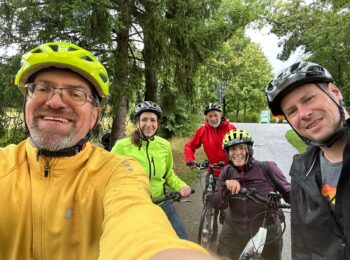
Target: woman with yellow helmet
[{"x": 244, "y": 216}]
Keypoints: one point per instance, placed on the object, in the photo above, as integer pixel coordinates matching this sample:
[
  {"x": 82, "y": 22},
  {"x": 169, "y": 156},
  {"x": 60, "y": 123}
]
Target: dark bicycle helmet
[
  {"x": 148, "y": 106},
  {"x": 211, "y": 107},
  {"x": 297, "y": 74},
  {"x": 236, "y": 137}
]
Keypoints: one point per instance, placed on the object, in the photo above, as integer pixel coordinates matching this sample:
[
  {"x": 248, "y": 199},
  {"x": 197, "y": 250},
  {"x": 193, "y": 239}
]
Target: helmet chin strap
[
  {"x": 65, "y": 152},
  {"x": 143, "y": 136}
]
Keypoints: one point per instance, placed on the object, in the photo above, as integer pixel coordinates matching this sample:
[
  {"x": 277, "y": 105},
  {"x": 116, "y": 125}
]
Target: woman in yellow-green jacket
[{"x": 155, "y": 155}]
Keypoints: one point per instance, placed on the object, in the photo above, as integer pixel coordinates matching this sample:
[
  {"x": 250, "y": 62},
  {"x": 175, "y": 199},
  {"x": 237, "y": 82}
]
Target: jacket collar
[{"x": 61, "y": 165}]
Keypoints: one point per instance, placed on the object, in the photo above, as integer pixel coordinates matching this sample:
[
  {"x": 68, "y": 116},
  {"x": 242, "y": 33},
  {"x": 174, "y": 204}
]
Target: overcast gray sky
[{"x": 269, "y": 45}]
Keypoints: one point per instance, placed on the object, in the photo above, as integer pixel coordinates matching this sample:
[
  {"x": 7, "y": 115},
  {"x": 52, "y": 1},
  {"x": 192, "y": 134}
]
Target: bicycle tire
[{"x": 205, "y": 231}]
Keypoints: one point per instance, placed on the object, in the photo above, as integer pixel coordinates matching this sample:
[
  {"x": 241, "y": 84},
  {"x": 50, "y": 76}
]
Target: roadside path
[{"x": 269, "y": 144}]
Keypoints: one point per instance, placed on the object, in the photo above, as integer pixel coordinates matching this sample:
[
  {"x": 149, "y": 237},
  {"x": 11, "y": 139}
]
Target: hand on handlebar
[
  {"x": 233, "y": 186},
  {"x": 185, "y": 191},
  {"x": 191, "y": 165}
]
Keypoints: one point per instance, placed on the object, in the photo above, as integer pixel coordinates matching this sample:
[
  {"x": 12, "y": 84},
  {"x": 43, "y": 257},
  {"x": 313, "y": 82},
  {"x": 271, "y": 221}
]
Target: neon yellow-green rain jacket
[
  {"x": 94, "y": 205},
  {"x": 156, "y": 158}
]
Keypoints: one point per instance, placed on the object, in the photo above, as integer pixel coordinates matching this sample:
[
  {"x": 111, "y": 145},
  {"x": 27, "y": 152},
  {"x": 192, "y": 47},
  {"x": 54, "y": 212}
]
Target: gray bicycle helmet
[
  {"x": 297, "y": 74},
  {"x": 211, "y": 107},
  {"x": 148, "y": 106}
]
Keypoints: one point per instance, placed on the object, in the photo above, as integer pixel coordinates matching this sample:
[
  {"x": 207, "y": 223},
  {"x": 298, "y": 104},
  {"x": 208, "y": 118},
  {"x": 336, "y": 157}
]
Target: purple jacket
[{"x": 246, "y": 212}]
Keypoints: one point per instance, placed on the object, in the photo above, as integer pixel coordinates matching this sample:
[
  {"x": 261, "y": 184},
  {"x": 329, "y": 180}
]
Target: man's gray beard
[
  {"x": 50, "y": 140},
  {"x": 215, "y": 125}
]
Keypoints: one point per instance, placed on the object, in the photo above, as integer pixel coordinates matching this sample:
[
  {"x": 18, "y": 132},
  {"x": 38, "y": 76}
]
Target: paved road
[{"x": 269, "y": 144}]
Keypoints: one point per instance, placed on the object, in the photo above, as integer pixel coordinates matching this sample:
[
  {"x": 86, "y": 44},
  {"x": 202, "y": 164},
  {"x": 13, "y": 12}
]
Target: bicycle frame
[
  {"x": 206, "y": 228},
  {"x": 255, "y": 245}
]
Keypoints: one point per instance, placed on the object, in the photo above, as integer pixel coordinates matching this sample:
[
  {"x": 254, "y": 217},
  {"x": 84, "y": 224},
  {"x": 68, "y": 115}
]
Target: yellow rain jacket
[{"x": 94, "y": 205}]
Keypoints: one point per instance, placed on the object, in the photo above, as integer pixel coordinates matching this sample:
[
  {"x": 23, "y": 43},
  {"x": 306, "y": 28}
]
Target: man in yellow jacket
[{"x": 61, "y": 197}]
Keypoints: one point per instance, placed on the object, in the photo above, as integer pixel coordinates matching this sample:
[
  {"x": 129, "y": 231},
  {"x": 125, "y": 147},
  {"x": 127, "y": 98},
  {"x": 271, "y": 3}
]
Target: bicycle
[
  {"x": 255, "y": 245},
  {"x": 208, "y": 228}
]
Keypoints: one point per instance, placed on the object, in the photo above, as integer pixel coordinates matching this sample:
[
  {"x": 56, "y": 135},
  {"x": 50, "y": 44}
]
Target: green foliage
[
  {"x": 321, "y": 28},
  {"x": 243, "y": 70},
  {"x": 151, "y": 48},
  {"x": 11, "y": 136},
  {"x": 180, "y": 168},
  {"x": 295, "y": 141}
]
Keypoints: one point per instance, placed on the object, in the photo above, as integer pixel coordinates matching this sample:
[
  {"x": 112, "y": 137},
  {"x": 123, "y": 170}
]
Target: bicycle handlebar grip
[{"x": 221, "y": 163}]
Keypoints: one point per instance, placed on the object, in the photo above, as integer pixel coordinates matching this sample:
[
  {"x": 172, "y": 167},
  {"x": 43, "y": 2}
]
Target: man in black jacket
[{"x": 306, "y": 95}]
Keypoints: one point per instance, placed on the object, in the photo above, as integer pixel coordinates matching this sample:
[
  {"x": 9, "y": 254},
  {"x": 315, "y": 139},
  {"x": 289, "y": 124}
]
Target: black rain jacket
[{"x": 318, "y": 233}]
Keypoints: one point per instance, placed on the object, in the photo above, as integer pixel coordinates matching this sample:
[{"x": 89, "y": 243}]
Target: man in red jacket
[{"x": 210, "y": 135}]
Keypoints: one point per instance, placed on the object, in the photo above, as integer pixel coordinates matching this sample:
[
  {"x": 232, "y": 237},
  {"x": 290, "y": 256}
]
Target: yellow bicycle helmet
[
  {"x": 64, "y": 55},
  {"x": 236, "y": 137}
]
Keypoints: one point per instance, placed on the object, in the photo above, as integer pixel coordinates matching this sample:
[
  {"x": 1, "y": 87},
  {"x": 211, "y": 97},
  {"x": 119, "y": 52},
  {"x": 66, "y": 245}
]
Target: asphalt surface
[{"x": 269, "y": 144}]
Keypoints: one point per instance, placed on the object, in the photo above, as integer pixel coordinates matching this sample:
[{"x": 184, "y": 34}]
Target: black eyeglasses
[{"x": 43, "y": 91}]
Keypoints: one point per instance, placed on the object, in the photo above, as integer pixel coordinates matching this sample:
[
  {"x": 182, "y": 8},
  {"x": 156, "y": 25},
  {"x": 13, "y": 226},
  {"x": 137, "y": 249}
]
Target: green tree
[
  {"x": 244, "y": 71},
  {"x": 321, "y": 28},
  {"x": 144, "y": 44}
]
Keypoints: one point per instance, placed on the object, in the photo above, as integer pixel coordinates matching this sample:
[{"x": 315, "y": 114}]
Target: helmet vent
[
  {"x": 54, "y": 47},
  {"x": 294, "y": 67},
  {"x": 38, "y": 51},
  {"x": 87, "y": 58},
  {"x": 103, "y": 77},
  {"x": 72, "y": 49}
]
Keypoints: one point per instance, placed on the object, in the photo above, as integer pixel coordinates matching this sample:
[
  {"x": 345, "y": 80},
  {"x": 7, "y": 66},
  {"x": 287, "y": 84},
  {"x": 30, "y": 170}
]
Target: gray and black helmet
[
  {"x": 211, "y": 107},
  {"x": 148, "y": 106},
  {"x": 297, "y": 74}
]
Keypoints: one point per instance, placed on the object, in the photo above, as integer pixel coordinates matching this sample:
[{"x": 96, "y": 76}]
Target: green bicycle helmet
[
  {"x": 64, "y": 55},
  {"x": 295, "y": 75},
  {"x": 236, "y": 137}
]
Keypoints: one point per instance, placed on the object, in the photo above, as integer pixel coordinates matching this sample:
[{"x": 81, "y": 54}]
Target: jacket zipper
[
  {"x": 46, "y": 169},
  {"x": 245, "y": 216},
  {"x": 154, "y": 167},
  {"x": 149, "y": 161}
]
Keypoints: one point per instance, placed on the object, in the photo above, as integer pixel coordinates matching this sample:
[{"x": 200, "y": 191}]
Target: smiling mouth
[
  {"x": 56, "y": 119},
  {"x": 313, "y": 124}
]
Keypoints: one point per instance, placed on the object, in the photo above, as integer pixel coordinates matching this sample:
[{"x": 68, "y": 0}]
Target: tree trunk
[
  {"x": 150, "y": 57},
  {"x": 122, "y": 74}
]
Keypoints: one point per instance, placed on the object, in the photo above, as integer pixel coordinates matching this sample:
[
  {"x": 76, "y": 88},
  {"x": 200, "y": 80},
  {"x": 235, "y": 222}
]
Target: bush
[{"x": 13, "y": 136}]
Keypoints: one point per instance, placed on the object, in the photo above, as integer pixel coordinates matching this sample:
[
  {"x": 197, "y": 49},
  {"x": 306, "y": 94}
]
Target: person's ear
[
  {"x": 95, "y": 116},
  {"x": 335, "y": 91}
]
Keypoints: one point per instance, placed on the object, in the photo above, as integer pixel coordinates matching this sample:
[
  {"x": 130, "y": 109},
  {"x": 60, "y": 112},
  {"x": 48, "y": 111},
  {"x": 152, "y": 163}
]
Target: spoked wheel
[{"x": 205, "y": 233}]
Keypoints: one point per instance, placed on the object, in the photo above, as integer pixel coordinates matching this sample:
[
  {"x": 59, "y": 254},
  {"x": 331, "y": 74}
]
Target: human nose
[
  {"x": 304, "y": 112},
  {"x": 56, "y": 100}
]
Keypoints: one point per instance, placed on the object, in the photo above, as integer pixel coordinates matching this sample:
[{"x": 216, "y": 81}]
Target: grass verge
[
  {"x": 180, "y": 168},
  {"x": 295, "y": 141}
]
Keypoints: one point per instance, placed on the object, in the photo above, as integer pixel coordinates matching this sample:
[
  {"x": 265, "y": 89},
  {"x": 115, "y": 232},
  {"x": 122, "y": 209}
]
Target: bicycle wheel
[{"x": 205, "y": 231}]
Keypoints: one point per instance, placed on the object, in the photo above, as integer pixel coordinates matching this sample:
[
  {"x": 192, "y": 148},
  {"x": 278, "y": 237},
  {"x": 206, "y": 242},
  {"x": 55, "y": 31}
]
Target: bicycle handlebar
[
  {"x": 273, "y": 200},
  {"x": 173, "y": 195},
  {"x": 205, "y": 165}
]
